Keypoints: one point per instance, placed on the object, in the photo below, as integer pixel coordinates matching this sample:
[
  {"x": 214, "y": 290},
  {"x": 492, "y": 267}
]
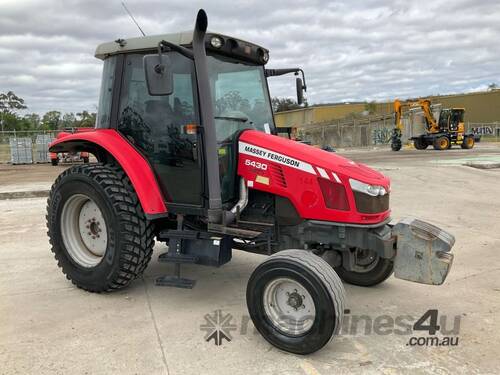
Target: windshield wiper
[{"x": 241, "y": 119}]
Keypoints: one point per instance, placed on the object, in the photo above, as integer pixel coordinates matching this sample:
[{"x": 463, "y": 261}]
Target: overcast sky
[{"x": 353, "y": 50}]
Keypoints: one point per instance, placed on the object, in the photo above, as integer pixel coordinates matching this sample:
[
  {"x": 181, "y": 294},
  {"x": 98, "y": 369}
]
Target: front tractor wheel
[
  {"x": 366, "y": 269},
  {"x": 296, "y": 301},
  {"x": 98, "y": 232},
  {"x": 468, "y": 142}
]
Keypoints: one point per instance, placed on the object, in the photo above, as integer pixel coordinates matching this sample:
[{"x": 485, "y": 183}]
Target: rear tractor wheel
[
  {"x": 420, "y": 144},
  {"x": 296, "y": 301},
  {"x": 367, "y": 269},
  {"x": 441, "y": 143},
  {"x": 97, "y": 229}
]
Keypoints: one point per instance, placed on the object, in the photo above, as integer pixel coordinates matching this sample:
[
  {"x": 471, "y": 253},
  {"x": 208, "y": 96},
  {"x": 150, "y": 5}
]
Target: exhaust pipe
[
  {"x": 230, "y": 216},
  {"x": 207, "y": 119}
]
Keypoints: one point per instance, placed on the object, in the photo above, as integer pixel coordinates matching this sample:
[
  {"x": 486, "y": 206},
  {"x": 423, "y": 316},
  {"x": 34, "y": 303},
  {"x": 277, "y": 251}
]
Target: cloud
[{"x": 368, "y": 50}]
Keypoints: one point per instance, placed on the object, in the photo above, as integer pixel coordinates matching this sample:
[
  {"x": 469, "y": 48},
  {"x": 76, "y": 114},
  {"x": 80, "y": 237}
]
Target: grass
[{"x": 4, "y": 153}]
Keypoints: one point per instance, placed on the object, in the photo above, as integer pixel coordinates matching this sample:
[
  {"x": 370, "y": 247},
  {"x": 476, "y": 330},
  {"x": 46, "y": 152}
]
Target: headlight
[
  {"x": 216, "y": 42},
  {"x": 373, "y": 190}
]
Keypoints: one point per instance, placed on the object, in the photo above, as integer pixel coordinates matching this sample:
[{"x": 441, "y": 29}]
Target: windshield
[{"x": 240, "y": 96}]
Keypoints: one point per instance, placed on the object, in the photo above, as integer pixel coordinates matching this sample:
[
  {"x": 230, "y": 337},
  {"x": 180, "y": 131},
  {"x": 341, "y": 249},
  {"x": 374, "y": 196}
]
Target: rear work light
[{"x": 334, "y": 194}]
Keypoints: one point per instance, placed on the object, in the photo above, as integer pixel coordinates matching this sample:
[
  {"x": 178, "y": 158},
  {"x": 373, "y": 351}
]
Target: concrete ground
[{"x": 49, "y": 326}]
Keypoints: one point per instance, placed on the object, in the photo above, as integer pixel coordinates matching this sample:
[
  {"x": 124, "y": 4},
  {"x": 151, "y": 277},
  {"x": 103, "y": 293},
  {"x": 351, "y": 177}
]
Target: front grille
[{"x": 368, "y": 204}]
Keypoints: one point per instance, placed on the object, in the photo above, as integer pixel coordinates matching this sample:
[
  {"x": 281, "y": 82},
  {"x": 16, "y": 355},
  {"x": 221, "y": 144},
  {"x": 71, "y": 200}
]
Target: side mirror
[
  {"x": 159, "y": 75},
  {"x": 300, "y": 90}
]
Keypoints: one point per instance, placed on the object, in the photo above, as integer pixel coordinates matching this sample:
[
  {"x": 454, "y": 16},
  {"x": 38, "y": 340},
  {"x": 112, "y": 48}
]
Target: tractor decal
[{"x": 248, "y": 149}]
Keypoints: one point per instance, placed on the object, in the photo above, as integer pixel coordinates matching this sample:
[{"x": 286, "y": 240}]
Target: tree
[
  {"x": 86, "y": 119},
  {"x": 68, "y": 120},
  {"x": 33, "y": 119},
  {"x": 9, "y": 104},
  {"x": 51, "y": 120},
  {"x": 492, "y": 86},
  {"x": 9, "y": 121},
  {"x": 284, "y": 104}
]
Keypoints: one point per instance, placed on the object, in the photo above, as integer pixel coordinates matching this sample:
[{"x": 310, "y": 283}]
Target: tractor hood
[{"x": 308, "y": 158}]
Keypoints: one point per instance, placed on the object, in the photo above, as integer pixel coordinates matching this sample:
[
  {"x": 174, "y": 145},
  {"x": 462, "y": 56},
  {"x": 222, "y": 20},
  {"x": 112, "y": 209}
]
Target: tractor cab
[{"x": 161, "y": 113}]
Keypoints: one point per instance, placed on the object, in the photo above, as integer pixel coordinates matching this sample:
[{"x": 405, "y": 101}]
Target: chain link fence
[
  {"x": 26, "y": 146},
  {"x": 363, "y": 132},
  {"x": 377, "y": 130}
]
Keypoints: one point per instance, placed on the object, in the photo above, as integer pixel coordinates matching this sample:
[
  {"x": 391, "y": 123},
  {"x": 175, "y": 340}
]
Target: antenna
[{"x": 133, "y": 19}]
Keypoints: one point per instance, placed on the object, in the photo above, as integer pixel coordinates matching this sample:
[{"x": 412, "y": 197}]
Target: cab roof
[
  {"x": 145, "y": 43},
  {"x": 142, "y": 43}
]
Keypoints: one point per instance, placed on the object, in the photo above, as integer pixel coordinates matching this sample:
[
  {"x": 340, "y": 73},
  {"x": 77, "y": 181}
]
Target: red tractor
[{"x": 188, "y": 154}]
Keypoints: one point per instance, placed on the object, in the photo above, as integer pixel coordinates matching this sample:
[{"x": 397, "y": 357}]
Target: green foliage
[
  {"x": 51, "y": 120},
  {"x": 10, "y": 120},
  {"x": 68, "y": 120},
  {"x": 284, "y": 104},
  {"x": 33, "y": 119},
  {"x": 10, "y": 103},
  {"x": 86, "y": 119}
]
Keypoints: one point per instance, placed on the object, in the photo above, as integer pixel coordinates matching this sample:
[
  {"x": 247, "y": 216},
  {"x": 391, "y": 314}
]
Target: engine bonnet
[{"x": 309, "y": 155}]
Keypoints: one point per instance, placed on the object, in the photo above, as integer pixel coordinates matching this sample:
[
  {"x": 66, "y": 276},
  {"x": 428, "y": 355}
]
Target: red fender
[{"x": 132, "y": 162}]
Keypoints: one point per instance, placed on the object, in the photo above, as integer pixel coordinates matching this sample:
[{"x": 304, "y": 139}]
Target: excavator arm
[
  {"x": 430, "y": 121},
  {"x": 398, "y": 113}
]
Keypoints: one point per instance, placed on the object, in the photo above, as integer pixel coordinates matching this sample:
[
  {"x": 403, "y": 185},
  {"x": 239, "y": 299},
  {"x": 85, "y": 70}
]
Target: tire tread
[
  {"x": 136, "y": 232},
  {"x": 326, "y": 273}
]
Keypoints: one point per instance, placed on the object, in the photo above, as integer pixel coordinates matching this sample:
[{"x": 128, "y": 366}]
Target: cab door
[{"x": 157, "y": 125}]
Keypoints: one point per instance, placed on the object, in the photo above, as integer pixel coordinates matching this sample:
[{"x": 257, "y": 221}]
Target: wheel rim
[
  {"x": 470, "y": 142},
  {"x": 444, "y": 143},
  {"x": 365, "y": 261},
  {"x": 289, "y": 306},
  {"x": 84, "y": 231}
]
